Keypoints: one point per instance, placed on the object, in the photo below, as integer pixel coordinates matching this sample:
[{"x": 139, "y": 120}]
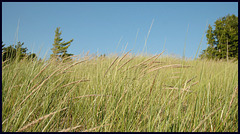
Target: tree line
[
  {"x": 222, "y": 43},
  {"x": 18, "y": 52},
  {"x": 223, "y": 39}
]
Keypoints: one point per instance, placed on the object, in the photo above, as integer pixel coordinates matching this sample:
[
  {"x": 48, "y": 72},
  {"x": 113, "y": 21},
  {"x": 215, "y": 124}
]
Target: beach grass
[{"x": 121, "y": 93}]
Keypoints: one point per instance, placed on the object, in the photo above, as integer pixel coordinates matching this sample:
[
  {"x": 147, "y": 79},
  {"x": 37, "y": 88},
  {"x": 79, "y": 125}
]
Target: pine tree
[
  {"x": 3, "y": 45},
  {"x": 16, "y": 52},
  {"x": 60, "y": 47},
  {"x": 223, "y": 40}
]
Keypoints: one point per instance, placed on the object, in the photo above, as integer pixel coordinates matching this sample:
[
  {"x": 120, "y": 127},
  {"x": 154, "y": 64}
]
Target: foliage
[
  {"x": 60, "y": 47},
  {"x": 16, "y": 52},
  {"x": 32, "y": 56},
  {"x": 223, "y": 40}
]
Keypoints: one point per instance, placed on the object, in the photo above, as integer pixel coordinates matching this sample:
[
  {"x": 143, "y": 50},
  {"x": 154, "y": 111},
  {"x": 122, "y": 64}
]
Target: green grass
[{"x": 196, "y": 95}]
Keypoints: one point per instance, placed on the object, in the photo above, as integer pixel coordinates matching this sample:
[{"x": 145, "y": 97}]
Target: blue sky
[{"x": 109, "y": 27}]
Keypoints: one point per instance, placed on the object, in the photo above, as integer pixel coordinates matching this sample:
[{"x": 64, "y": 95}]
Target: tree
[
  {"x": 223, "y": 40},
  {"x": 3, "y": 45},
  {"x": 31, "y": 56},
  {"x": 15, "y": 52},
  {"x": 60, "y": 48}
]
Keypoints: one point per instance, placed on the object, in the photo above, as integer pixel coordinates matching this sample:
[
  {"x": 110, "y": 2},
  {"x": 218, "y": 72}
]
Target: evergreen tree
[
  {"x": 15, "y": 52},
  {"x": 3, "y": 45},
  {"x": 59, "y": 47},
  {"x": 223, "y": 40},
  {"x": 31, "y": 56}
]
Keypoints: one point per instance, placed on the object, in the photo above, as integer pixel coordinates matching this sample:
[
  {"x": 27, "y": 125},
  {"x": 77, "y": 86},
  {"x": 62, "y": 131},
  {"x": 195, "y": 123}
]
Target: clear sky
[{"x": 110, "y": 27}]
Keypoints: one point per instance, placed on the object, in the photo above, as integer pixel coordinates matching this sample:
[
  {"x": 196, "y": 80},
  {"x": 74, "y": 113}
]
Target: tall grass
[{"x": 128, "y": 93}]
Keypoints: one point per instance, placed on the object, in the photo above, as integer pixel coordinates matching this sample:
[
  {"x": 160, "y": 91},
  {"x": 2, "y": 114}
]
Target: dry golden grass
[
  {"x": 75, "y": 82},
  {"x": 124, "y": 101},
  {"x": 201, "y": 123},
  {"x": 70, "y": 129},
  {"x": 38, "y": 120},
  {"x": 110, "y": 65}
]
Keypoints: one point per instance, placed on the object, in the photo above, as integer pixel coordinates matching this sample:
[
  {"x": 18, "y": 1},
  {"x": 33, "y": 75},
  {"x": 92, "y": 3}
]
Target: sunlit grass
[{"x": 134, "y": 93}]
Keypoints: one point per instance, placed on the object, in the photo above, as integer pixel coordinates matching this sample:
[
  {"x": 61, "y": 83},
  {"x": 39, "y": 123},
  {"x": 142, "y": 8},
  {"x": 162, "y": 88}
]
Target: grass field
[{"x": 126, "y": 93}]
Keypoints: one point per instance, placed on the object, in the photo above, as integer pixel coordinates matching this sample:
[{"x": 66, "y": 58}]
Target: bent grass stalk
[
  {"x": 201, "y": 123},
  {"x": 69, "y": 129},
  {"x": 125, "y": 63},
  {"x": 95, "y": 128},
  {"x": 110, "y": 65},
  {"x": 230, "y": 104},
  {"x": 89, "y": 96},
  {"x": 156, "y": 58},
  {"x": 36, "y": 121},
  {"x": 167, "y": 66},
  {"x": 75, "y": 82},
  {"x": 145, "y": 61},
  {"x": 123, "y": 56},
  {"x": 37, "y": 75},
  {"x": 149, "y": 64},
  {"x": 141, "y": 63}
]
